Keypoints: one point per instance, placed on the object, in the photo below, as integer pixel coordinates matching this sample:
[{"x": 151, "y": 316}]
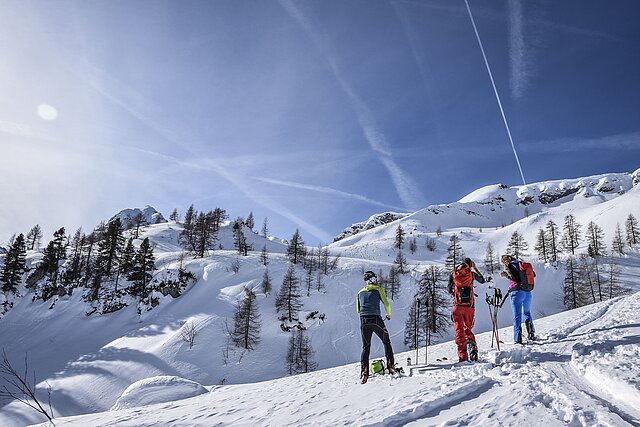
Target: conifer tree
[
  {"x": 571, "y": 238},
  {"x": 439, "y": 231},
  {"x": 633, "y": 231},
  {"x": 433, "y": 287},
  {"x": 614, "y": 288},
  {"x": 250, "y": 222},
  {"x": 413, "y": 245},
  {"x": 136, "y": 222},
  {"x": 142, "y": 271},
  {"x": 110, "y": 249},
  {"x": 54, "y": 253},
  {"x": 239, "y": 239},
  {"x": 128, "y": 258},
  {"x": 517, "y": 246},
  {"x": 246, "y": 327},
  {"x": 401, "y": 263},
  {"x": 430, "y": 244},
  {"x": 573, "y": 297},
  {"x": 617, "y": 245},
  {"x": 265, "y": 228},
  {"x": 72, "y": 276},
  {"x": 289, "y": 300},
  {"x": 264, "y": 256},
  {"x": 552, "y": 233},
  {"x": 320, "y": 286},
  {"x": 595, "y": 239},
  {"x": 587, "y": 280},
  {"x": 266, "y": 283},
  {"x": 296, "y": 249},
  {"x": 394, "y": 282},
  {"x": 491, "y": 259},
  {"x": 399, "y": 241},
  {"x": 14, "y": 265},
  {"x": 218, "y": 216},
  {"x": 300, "y": 354},
  {"x": 174, "y": 215},
  {"x": 541, "y": 246},
  {"x": 455, "y": 254},
  {"x": 34, "y": 236}
]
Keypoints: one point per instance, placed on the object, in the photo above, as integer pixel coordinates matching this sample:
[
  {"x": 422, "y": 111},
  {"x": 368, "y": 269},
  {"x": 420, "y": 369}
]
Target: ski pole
[
  {"x": 426, "y": 347},
  {"x": 417, "y": 326},
  {"x": 505, "y": 298}
]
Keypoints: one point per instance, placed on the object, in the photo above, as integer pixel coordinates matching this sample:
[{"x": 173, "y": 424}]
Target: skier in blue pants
[{"x": 520, "y": 300}]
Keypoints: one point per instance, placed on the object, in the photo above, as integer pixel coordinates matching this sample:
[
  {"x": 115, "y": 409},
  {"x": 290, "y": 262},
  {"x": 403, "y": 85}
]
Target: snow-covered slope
[
  {"x": 91, "y": 360},
  {"x": 583, "y": 372}
]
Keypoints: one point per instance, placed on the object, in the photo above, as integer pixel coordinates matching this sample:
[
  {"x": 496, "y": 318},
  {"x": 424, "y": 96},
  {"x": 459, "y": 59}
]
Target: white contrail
[
  {"x": 328, "y": 190},
  {"x": 407, "y": 190},
  {"x": 495, "y": 90},
  {"x": 519, "y": 69}
]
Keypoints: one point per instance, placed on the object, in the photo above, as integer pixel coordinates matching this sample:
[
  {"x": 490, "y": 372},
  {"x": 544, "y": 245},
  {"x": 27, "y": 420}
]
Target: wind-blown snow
[{"x": 157, "y": 390}]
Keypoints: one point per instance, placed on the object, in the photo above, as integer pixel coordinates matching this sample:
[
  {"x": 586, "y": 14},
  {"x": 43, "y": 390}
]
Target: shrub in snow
[{"x": 157, "y": 390}]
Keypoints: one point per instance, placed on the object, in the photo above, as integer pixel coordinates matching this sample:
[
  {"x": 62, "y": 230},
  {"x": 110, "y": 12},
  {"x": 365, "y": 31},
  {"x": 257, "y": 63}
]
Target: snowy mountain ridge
[
  {"x": 534, "y": 197},
  {"x": 147, "y": 215}
]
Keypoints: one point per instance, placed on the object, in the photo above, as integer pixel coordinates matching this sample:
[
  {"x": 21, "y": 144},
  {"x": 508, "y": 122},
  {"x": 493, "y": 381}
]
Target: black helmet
[{"x": 369, "y": 275}]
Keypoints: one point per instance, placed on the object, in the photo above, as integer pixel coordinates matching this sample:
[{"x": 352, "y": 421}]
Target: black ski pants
[{"x": 368, "y": 326}]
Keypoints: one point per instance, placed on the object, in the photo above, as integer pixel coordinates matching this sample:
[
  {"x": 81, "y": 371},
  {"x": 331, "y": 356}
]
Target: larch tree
[
  {"x": 33, "y": 238},
  {"x": 296, "y": 250},
  {"x": 399, "y": 239},
  {"x": 572, "y": 234},
  {"x": 552, "y": 236},
  {"x": 595, "y": 239},
  {"x": 517, "y": 246},
  {"x": 455, "y": 254},
  {"x": 289, "y": 300},
  {"x": 633, "y": 231},
  {"x": 541, "y": 246},
  {"x": 617, "y": 245},
  {"x": 265, "y": 285},
  {"x": 300, "y": 354},
  {"x": 491, "y": 263},
  {"x": 246, "y": 322}
]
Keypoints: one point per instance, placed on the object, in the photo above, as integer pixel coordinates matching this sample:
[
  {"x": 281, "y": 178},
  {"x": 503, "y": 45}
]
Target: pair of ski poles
[{"x": 495, "y": 302}]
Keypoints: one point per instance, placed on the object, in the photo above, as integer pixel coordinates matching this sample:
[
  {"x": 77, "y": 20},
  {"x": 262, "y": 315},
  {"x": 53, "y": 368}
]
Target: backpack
[
  {"x": 527, "y": 276},
  {"x": 463, "y": 286},
  {"x": 377, "y": 367}
]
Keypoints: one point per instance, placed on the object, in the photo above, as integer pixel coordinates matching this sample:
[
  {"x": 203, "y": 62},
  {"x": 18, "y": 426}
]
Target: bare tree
[
  {"x": 189, "y": 333},
  {"x": 20, "y": 387}
]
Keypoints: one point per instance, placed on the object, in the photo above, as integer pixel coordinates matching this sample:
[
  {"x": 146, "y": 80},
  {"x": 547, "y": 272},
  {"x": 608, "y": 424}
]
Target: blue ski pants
[{"x": 520, "y": 304}]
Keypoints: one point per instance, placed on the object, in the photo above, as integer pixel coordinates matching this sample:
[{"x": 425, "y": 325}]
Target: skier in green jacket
[{"x": 368, "y": 307}]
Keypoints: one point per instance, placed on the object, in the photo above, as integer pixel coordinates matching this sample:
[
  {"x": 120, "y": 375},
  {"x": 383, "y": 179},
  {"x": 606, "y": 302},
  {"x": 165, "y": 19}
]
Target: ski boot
[
  {"x": 531, "y": 334},
  {"x": 364, "y": 376},
  {"x": 472, "y": 351}
]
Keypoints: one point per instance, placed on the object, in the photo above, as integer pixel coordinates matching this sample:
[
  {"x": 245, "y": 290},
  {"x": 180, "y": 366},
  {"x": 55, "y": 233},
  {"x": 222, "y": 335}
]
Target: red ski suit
[{"x": 463, "y": 317}]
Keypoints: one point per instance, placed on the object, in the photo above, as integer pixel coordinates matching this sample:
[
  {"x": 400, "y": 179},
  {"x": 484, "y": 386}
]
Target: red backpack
[
  {"x": 527, "y": 276},
  {"x": 463, "y": 286}
]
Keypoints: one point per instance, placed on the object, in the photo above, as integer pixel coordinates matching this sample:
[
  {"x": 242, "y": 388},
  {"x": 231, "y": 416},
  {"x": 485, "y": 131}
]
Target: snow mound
[{"x": 158, "y": 390}]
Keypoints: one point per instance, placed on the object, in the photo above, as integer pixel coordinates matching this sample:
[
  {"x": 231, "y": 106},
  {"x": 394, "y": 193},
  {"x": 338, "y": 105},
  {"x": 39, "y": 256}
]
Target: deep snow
[{"x": 91, "y": 361}]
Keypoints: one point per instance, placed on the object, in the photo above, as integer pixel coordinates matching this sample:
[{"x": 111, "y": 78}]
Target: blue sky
[{"x": 315, "y": 114}]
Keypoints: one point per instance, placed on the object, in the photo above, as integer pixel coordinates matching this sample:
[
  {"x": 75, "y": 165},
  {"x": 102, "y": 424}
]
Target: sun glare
[{"x": 47, "y": 112}]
